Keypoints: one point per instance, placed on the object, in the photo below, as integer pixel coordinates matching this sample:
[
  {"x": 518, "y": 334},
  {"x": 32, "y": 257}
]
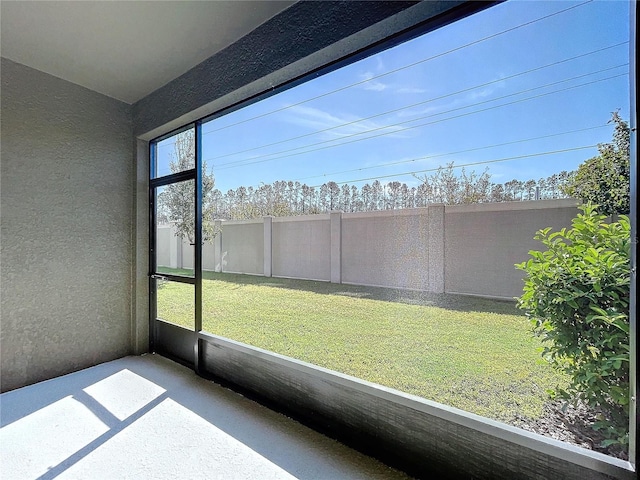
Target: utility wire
[
  {"x": 475, "y": 42},
  {"x": 255, "y": 160},
  {"x": 430, "y": 157},
  {"x": 441, "y": 97},
  {"x": 249, "y": 161},
  {"x": 471, "y": 164}
]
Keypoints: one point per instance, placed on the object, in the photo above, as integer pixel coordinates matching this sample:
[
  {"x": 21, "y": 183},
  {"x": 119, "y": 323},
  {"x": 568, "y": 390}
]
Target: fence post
[
  {"x": 435, "y": 234},
  {"x": 268, "y": 228},
  {"x": 336, "y": 247},
  {"x": 217, "y": 246}
]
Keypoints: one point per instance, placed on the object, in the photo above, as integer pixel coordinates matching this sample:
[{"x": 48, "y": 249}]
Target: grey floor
[{"x": 150, "y": 418}]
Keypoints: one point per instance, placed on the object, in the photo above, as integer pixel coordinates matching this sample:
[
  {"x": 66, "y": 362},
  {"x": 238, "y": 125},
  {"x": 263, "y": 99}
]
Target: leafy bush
[{"x": 576, "y": 294}]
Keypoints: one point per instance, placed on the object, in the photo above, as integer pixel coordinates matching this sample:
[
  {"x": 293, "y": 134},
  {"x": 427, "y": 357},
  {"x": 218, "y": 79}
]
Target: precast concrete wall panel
[
  {"x": 302, "y": 247},
  {"x": 163, "y": 246},
  {"x": 389, "y": 249},
  {"x": 186, "y": 256},
  {"x": 484, "y": 242},
  {"x": 209, "y": 259},
  {"x": 243, "y": 247}
]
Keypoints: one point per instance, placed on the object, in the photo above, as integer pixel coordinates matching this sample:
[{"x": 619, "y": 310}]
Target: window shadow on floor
[{"x": 148, "y": 417}]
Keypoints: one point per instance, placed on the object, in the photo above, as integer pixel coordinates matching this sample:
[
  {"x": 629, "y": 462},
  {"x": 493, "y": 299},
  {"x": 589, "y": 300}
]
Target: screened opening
[
  {"x": 174, "y": 154},
  {"x": 175, "y": 303},
  {"x": 369, "y": 221},
  {"x": 175, "y": 228}
]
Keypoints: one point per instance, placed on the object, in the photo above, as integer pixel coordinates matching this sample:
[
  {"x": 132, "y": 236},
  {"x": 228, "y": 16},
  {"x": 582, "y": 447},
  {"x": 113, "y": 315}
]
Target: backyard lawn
[{"x": 470, "y": 353}]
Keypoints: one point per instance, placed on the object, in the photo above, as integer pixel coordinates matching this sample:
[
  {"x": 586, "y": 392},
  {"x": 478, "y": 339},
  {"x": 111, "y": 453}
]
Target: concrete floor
[{"x": 150, "y": 418}]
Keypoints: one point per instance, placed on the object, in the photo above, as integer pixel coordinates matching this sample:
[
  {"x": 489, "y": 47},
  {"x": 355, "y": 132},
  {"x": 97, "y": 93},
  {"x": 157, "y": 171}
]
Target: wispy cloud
[
  {"x": 371, "y": 80},
  {"x": 414, "y": 112},
  {"x": 333, "y": 124},
  {"x": 371, "y": 83},
  {"x": 455, "y": 102},
  {"x": 480, "y": 94},
  {"x": 411, "y": 90},
  {"x": 376, "y": 85}
]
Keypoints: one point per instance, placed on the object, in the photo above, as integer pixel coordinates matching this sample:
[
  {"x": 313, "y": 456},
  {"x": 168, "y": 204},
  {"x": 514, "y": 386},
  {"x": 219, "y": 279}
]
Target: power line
[
  {"x": 253, "y": 161},
  {"x": 430, "y": 157},
  {"x": 471, "y": 164},
  {"x": 421, "y": 102},
  {"x": 475, "y": 42}
]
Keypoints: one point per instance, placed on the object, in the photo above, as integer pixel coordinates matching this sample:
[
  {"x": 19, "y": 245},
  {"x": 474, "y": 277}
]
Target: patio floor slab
[{"x": 150, "y": 418}]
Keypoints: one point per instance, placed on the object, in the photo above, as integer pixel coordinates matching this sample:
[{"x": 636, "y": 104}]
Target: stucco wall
[
  {"x": 163, "y": 246},
  {"x": 305, "y": 37},
  {"x": 243, "y": 247},
  {"x": 386, "y": 249},
  {"x": 463, "y": 249},
  {"x": 301, "y": 247},
  {"x": 67, "y": 198},
  {"x": 483, "y": 242},
  {"x": 185, "y": 258}
]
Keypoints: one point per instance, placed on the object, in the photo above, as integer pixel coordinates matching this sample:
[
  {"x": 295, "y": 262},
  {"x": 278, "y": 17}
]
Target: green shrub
[{"x": 576, "y": 294}]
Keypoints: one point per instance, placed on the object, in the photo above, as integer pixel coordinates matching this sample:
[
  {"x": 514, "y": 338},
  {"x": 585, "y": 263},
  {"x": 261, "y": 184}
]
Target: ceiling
[{"x": 125, "y": 50}]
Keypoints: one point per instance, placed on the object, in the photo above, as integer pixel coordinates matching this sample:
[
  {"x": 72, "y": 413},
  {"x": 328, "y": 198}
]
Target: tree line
[
  {"x": 288, "y": 198},
  {"x": 602, "y": 180}
]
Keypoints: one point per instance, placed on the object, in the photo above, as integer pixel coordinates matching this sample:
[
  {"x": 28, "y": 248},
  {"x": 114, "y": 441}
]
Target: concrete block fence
[{"x": 463, "y": 249}]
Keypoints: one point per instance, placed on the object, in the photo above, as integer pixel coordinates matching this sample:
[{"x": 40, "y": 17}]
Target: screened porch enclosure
[
  {"x": 253, "y": 247},
  {"x": 286, "y": 353}
]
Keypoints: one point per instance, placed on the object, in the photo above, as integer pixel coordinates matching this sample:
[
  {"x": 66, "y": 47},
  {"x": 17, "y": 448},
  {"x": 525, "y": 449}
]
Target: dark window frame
[{"x": 372, "y": 49}]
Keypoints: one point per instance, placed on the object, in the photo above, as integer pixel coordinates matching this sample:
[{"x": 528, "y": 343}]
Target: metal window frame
[
  {"x": 634, "y": 390},
  {"x": 400, "y": 37},
  {"x": 195, "y": 175}
]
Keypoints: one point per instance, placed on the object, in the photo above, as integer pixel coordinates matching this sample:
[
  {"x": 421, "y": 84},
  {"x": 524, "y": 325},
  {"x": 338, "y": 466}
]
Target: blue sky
[{"x": 463, "y": 96}]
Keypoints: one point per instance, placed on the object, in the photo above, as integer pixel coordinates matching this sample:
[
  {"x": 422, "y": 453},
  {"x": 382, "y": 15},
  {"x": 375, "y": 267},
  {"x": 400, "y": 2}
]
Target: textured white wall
[
  {"x": 67, "y": 213},
  {"x": 484, "y": 242},
  {"x": 243, "y": 247},
  {"x": 465, "y": 249},
  {"x": 163, "y": 246},
  {"x": 388, "y": 248},
  {"x": 302, "y": 247}
]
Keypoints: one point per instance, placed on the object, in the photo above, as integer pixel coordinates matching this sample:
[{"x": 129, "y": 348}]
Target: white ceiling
[{"x": 124, "y": 49}]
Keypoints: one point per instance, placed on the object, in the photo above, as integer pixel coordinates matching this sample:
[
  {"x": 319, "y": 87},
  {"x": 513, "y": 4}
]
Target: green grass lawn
[{"x": 470, "y": 353}]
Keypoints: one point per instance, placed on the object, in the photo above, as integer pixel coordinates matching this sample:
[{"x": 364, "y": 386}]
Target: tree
[
  {"x": 474, "y": 187},
  {"x": 176, "y": 201},
  {"x": 393, "y": 200},
  {"x": 366, "y": 197},
  {"x": 345, "y": 199},
  {"x": 512, "y": 190},
  {"x": 356, "y": 201},
  {"x": 604, "y": 179},
  {"x": 530, "y": 190},
  {"x": 446, "y": 187},
  {"x": 497, "y": 193},
  {"x": 334, "y": 196},
  {"x": 424, "y": 193},
  {"x": 543, "y": 189},
  {"x": 324, "y": 198},
  {"x": 376, "y": 196}
]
